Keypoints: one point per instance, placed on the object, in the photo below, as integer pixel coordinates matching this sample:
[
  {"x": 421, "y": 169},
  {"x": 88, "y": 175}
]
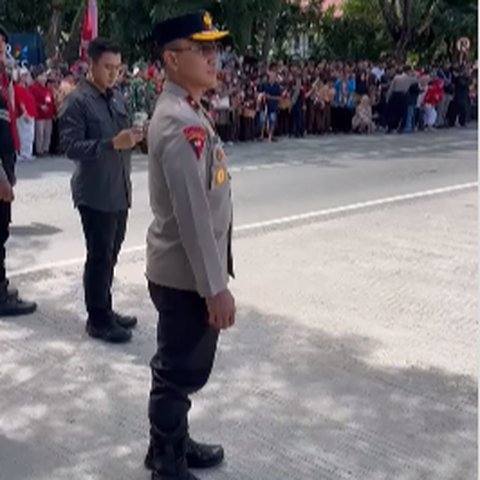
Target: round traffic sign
[{"x": 463, "y": 44}]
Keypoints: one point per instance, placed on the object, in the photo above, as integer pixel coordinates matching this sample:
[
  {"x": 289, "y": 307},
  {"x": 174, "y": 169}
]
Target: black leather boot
[
  {"x": 125, "y": 321},
  {"x": 11, "y": 290},
  {"x": 198, "y": 455},
  {"x": 11, "y": 305},
  {"x": 169, "y": 462},
  {"x": 108, "y": 330}
]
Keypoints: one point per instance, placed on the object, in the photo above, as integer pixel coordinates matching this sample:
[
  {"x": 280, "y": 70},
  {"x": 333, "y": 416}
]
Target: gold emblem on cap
[{"x": 207, "y": 21}]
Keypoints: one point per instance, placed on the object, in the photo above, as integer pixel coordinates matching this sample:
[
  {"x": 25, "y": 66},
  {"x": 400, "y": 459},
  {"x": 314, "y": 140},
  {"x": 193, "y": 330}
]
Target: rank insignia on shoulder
[
  {"x": 195, "y": 105},
  {"x": 195, "y": 136}
]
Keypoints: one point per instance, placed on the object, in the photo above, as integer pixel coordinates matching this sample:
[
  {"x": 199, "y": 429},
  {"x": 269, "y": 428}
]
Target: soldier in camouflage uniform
[{"x": 143, "y": 95}]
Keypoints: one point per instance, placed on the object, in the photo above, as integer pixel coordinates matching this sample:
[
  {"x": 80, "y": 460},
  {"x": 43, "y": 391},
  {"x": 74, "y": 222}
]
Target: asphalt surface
[
  {"x": 354, "y": 354},
  {"x": 288, "y": 178}
]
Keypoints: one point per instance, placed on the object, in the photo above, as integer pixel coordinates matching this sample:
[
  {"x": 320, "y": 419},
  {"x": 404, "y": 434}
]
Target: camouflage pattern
[{"x": 142, "y": 96}]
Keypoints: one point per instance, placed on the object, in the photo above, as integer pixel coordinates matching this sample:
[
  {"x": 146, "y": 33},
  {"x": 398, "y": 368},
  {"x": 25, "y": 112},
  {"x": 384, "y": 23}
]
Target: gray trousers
[
  {"x": 442, "y": 110},
  {"x": 43, "y": 136}
]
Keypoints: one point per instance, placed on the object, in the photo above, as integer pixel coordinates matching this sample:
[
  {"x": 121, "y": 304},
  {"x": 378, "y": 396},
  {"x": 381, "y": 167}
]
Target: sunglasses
[{"x": 204, "y": 49}]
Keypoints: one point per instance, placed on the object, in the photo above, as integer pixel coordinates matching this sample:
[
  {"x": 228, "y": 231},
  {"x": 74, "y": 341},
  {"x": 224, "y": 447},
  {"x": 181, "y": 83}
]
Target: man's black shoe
[
  {"x": 13, "y": 306},
  {"x": 11, "y": 290},
  {"x": 125, "y": 321},
  {"x": 111, "y": 332},
  {"x": 198, "y": 455},
  {"x": 184, "y": 475}
]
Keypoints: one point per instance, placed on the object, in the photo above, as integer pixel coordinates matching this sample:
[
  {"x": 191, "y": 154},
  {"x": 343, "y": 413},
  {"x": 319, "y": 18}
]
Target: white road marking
[
  {"x": 353, "y": 207},
  {"x": 265, "y": 166},
  {"x": 274, "y": 222}
]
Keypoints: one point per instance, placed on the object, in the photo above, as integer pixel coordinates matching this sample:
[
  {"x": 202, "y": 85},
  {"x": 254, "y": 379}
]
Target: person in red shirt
[
  {"x": 45, "y": 113},
  {"x": 26, "y": 112},
  {"x": 433, "y": 97}
]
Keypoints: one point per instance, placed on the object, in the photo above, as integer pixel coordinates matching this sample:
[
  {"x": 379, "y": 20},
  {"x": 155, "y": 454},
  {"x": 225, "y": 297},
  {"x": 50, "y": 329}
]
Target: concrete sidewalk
[{"x": 354, "y": 357}]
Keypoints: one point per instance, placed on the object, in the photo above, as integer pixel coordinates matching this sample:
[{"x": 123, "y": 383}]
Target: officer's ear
[
  {"x": 168, "y": 55},
  {"x": 170, "y": 60}
]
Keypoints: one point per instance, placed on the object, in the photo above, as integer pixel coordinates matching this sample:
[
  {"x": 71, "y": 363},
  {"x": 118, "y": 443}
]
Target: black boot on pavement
[{"x": 11, "y": 305}]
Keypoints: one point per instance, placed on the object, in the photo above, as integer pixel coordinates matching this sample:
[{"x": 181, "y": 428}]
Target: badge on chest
[
  {"x": 219, "y": 165},
  {"x": 220, "y": 176}
]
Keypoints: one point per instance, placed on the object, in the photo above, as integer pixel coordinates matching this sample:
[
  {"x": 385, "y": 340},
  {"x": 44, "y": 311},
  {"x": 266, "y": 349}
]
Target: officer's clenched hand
[
  {"x": 6, "y": 191},
  {"x": 221, "y": 309},
  {"x": 127, "y": 139}
]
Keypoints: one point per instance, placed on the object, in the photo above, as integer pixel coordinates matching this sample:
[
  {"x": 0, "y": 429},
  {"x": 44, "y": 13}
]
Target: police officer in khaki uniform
[{"x": 188, "y": 243}]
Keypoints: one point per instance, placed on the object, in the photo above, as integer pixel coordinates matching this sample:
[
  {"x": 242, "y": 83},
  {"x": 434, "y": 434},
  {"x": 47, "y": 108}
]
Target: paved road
[
  {"x": 354, "y": 356},
  {"x": 270, "y": 181}
]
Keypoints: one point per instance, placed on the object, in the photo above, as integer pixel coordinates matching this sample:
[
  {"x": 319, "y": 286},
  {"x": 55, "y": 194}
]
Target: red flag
[{"x": 89, "y": 28}]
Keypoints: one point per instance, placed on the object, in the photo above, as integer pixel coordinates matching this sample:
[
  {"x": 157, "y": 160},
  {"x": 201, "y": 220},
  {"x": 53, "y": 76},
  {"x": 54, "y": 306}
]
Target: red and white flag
[{"x": 89, "y": 28}]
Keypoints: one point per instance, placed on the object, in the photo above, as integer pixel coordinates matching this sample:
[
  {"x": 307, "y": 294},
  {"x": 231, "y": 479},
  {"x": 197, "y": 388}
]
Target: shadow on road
[
  {"x": 34, "y": 230},
  {"x": 287, "y": 401}
]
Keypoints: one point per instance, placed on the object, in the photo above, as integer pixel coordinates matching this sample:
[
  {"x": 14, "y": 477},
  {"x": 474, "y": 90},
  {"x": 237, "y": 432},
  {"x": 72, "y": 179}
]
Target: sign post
[{"x": 463, "y": 46}]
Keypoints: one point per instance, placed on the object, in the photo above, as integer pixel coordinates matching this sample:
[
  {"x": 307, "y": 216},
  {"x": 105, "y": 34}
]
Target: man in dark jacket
[
  {"x": 460, "y": 104},
  {"x": 95, "y": 132}
]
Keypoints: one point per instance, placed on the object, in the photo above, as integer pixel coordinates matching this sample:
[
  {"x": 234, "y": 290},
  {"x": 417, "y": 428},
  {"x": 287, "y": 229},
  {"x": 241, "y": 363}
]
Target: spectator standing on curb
[
  {"x": 26, "y": 113},
  {"x": 45, "y": 104}
]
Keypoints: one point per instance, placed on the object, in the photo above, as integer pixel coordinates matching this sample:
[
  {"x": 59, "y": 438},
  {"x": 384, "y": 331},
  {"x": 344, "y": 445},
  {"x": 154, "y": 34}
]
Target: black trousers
[
  {"x": 247, "y": 129},
  {"x": 397, "y": 110},
  {"x": 284, "y": 123},
  {"x": 55, "y": 140},
  {"x": 298, "y": 123},
  {"x": 458, "y": 109},
  {"x": 5, "y": 219},
  {"x": 104, "y": 234},
  {"x": 341, "y": 119},
  {"x": 186, "y": 346}
]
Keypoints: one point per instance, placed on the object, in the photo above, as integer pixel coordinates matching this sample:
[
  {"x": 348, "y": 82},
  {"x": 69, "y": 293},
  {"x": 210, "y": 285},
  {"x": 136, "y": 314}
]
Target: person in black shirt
[
  {"x": 95, "y": 132},
  {"x": 361, "y": 85},
  {"x": 460, "y": 104}
]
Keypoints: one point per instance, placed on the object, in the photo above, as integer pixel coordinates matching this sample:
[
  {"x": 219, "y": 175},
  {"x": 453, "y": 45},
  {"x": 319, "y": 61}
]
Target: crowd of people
[{"x": 256, "y": 101}]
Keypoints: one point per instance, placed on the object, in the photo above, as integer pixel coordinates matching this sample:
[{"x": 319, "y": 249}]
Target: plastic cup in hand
[{"x": 140, "y": 119}]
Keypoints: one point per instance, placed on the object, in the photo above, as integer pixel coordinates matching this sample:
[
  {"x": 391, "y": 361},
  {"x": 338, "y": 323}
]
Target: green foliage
[
  {"x": 358, "y": 34},
  {"x": 34, "y": 15},
  {"x": 423, "y": 29}
]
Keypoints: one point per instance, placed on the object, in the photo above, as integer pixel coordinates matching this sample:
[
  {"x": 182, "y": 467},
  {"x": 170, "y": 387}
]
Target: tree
[
  {"x": 239, "y": 16},
  {"x": 455, "y": 19},
  {"x": 359, "y": 33},
  {"x": 130, "y": 22},
  {"x": 49, "y": 18},
  {"x": 24, "y": 15},
  {"x": 407, "y": 21},
  {"x": 370, "y": 29}
]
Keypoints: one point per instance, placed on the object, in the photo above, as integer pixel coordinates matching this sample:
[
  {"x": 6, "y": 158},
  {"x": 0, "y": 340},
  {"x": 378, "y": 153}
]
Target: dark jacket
[{"x": 89, "y": 120}]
